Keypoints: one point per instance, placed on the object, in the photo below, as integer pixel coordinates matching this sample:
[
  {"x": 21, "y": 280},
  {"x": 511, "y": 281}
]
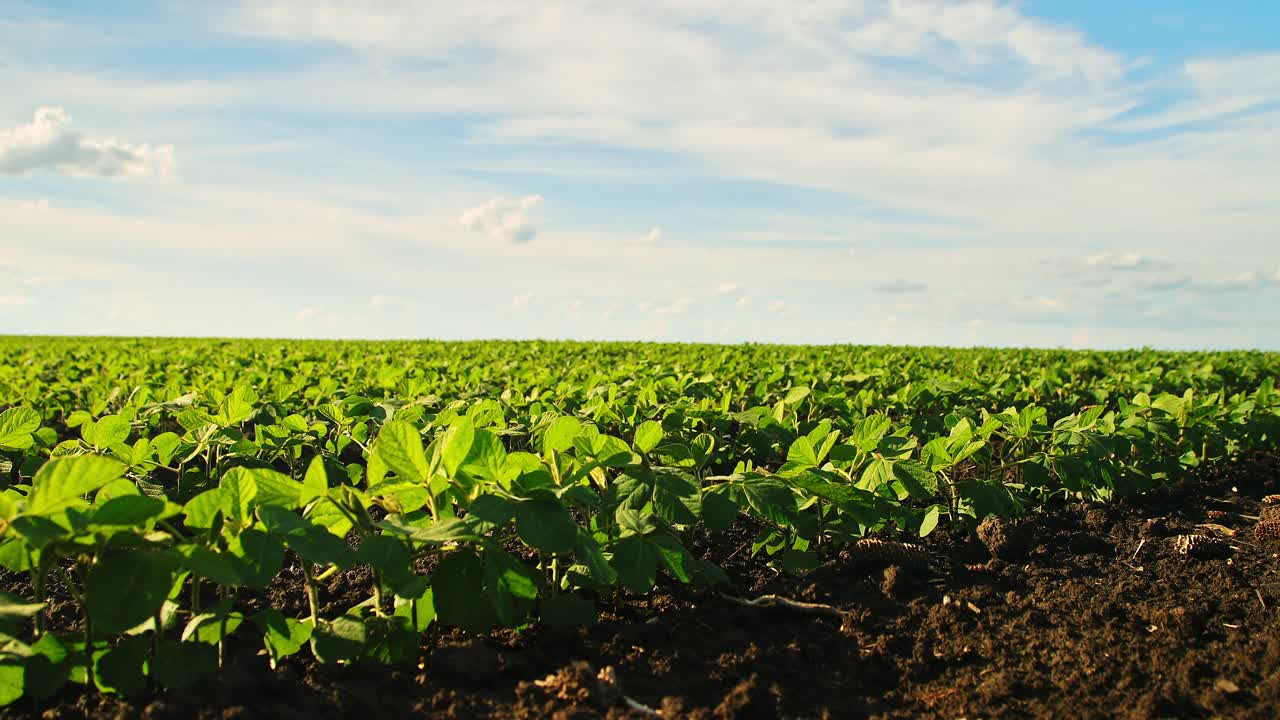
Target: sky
[{"x": 1057, "y": 173}]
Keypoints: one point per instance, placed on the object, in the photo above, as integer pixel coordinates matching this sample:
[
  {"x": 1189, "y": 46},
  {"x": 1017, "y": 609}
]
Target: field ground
[{"x": 1091, "y": 611}]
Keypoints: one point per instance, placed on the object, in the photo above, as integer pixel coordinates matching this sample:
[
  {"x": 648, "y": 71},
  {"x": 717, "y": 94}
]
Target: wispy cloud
[
  {"x": 679, "y": 306},
  {"x": 900, "y": 286},
  {"x": 521, "y": 301}
]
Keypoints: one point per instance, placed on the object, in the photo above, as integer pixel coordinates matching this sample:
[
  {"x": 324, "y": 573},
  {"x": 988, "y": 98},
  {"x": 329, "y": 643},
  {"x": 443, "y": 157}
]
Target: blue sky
[{"x": 1052, "y": 173}]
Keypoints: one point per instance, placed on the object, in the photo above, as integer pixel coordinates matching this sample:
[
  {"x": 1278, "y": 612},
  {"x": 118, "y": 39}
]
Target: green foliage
[{"x": 493, "y": 484}]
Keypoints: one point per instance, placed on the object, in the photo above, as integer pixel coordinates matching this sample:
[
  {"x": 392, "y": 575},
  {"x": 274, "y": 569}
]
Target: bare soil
[{"x": 1078, "y": 611}]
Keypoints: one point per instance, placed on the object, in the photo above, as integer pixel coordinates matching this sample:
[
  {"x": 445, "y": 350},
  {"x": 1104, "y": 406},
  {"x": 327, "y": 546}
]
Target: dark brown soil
[{"x": 1085, "y": 611}]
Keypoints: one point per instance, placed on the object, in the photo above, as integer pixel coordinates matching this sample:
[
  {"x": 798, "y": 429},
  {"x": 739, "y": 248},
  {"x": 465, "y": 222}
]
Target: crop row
[{"x": 485, "y": 485}]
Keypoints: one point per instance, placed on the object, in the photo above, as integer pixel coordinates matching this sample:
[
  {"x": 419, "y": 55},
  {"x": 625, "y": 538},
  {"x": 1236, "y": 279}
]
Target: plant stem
[
  {"x": 377, "y": 592},
  {"x": 312, "y": 593}
]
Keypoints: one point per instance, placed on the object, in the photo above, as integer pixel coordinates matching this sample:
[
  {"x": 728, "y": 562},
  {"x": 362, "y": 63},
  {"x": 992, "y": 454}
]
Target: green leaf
[
  {"x": 63, "y": 480},
  {"x": 802, "y": 454},
  {"x": 181, "y": 664},
  {"x": 106, "y": 432},
  {"x": 203, "y": 509},
  {"x": 207, "y": 564},
  {"x": 589, "y": 554},
  {"x": 46, "y": 667},
  {"x": 16, "y": 426},
  {"x": 568, "y": 610},
  {"x": 126, "y": 589},
  {"x": 445, "y": 530},
  {"x": 340, "y": 639},
  {"x": 795, "y": 395},
  {"x": 420, "y": 612},
  {"x": 546, "y": 525},
  {"x": 399, "y": 445},
  {"x": 637, "y": 564},
  {"x": 916, "y": 478},
  {"x": 256, "y": 557},
  {"x": 769, "y": 498},
  {"x": 560, "y": 434},
  {"x": 238, "y": 492},
  {"x": 458, "y": 585},
  {"x": 282, "y": 636},
  {"x": 123, "y": 669},
  {"x": 489, "y": 512},
  {"x": 648, "y": 435},
  {"x": 674, "y": 555},
  {"x": 675, "y": 495},
  {"x": 510, "y": 585},
  {"x": 128, "y": 510},
  {"x": 930, "y": 520},
  {"x": 268, "y": 488},
  {"x": 456, "y": 445},
  {"x": 315, "y": 484},
  {"x": 718, "y": 508},
  {"x": 11, "y": 680}
]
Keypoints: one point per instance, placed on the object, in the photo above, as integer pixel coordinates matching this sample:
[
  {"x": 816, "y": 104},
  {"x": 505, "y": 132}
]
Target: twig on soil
[
  {"x": 1258, "y": 592},
  {"x": 637, "y": 706},
  {"x": 1138, "y": 549},
  {"x": 778, "y": 601}
]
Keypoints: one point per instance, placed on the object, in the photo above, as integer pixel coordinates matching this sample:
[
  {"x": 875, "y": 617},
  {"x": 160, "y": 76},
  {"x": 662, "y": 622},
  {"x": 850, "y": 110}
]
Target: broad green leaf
[
  {"x": 545, "y": 525},
  {"x": 340, "y": 639},
  {"x": 560, "y": 434},
  {"x": 106, "y": 432},
  {"x": 11, "y": 680},
  {"x": 256, "y": 557},
  {"x": 456, "y": 445},
  {"x": 420, "y": 612},
  {"x": 126, "y": 589},
  {"x": 399, "y": 445},
  {"x": 182, "y": 664},
  {"x": 636, "y": 561},
  {"x": 718, "y": 509},
  {"x": 568, "y": 610},
  {"x": 459, "y": 593},
  {"x": 282, "y": 636},
  {"x": 123, "y": 669},
  {"x": 916, "y": 478},
  {"x": 930, "y": 520},
  {"x": 63, "y": 480},
  {"x": 511, "y": 586},
  {"x": 16, "y": 428},
  {"x": 128, "y": 510},
  {"x": 648, "y": 435}
]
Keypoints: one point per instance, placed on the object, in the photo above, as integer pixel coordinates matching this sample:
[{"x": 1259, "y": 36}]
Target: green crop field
[{"x": 154, "y": 489}]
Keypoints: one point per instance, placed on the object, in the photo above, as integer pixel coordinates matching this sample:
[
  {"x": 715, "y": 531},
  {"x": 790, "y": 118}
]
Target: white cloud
[
  {"x": 503, "y": 218},
  {"x": 310, "y": 312},
  {"x": 900, "y": 286},
  {"x": 49, "y": 143},
  {"x": 379, "y": 301},
  {"x": 727, "y": 288},
  {"x": 778, "y": 307},
  {"x": 653, "y": 236},
  {"x": 1040, "y": 303},
  {"x": 1118, "y": 261},
  {"x": 679, "y": 306},
  {"x": 521, "y": 301},
  {"x": 1251, "y": 280},
  {"x": 15, "y": 299},
  {"x": 41, "y": 205},
  {"x": 743, "y": 302},
  {"x": 644, "y": 305}
]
